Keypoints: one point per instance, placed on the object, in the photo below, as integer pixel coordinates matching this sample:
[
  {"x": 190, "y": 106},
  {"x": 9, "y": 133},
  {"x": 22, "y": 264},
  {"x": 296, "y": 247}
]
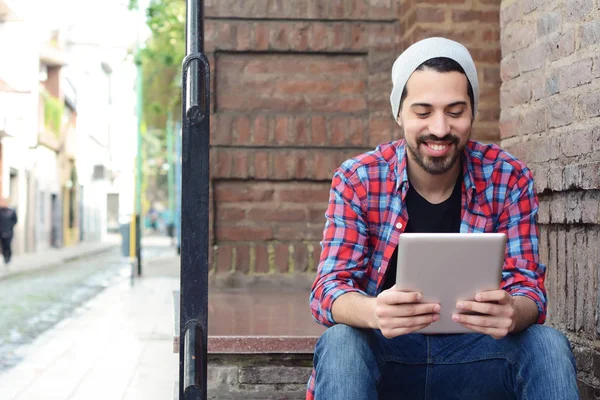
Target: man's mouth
[
  {"x": 437, "y": 146},
  {"x": 437, "y": 149}
]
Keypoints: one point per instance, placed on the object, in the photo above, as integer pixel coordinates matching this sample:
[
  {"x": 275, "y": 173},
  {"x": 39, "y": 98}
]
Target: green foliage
[
  {"x": 160, "y": 60},
  {"x": 53, "y": 112}
]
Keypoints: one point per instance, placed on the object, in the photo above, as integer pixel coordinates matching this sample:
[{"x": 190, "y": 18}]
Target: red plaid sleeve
[
  {"x": 523, "y": 274},
  {"x": 342, "y": 266}
]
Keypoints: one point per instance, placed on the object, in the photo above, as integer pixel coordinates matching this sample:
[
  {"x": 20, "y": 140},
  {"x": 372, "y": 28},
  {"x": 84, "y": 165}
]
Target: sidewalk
[
  {"x": 118, "y": 346},
  {"x": 29, "y": 262}
]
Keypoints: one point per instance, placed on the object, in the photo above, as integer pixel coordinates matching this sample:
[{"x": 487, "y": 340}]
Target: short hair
[{"x": 442, "y": 64}]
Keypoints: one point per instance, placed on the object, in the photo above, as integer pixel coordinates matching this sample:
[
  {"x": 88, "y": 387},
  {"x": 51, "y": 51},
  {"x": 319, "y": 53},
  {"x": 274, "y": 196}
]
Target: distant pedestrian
[{"x": 8, "y": 220}]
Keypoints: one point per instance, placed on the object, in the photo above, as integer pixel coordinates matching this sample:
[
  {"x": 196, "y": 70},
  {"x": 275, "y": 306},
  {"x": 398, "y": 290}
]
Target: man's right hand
[{"x": 399, "y": 313}]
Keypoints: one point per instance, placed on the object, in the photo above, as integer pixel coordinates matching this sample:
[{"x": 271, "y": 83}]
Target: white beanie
[{"x": 424, "y": 50}]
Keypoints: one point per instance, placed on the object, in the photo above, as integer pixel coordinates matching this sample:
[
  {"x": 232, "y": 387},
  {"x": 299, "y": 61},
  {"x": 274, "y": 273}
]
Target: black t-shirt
[{"x": 424, "y": 217}]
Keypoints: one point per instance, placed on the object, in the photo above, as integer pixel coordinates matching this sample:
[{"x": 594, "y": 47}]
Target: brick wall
[
  {"x": 299, "y": 87},
  {"x": 551, "y": 120},
  {"x": 475, "y": 24}
]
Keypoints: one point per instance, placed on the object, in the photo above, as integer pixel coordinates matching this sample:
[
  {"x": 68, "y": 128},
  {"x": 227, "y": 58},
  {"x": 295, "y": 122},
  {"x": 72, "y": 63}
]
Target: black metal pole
[{"x": 194, "y": 209}]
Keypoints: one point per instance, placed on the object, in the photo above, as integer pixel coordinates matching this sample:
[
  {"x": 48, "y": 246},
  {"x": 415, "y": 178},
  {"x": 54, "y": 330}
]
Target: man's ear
[{"x": 399, "y": 120}]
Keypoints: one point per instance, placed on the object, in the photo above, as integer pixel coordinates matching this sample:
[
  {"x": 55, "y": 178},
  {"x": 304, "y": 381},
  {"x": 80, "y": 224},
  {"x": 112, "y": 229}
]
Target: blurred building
[
  {"x": 18, "y": 121},
  {"x": 58, "y": 166}
]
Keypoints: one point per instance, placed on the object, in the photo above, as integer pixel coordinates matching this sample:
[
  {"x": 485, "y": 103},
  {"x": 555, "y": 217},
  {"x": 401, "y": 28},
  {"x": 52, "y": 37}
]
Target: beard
[{"x": 435, "y": 165}]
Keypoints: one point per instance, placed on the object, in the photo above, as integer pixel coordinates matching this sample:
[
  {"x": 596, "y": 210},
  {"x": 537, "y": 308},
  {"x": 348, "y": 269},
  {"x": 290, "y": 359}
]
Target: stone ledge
[{"x": 261, "y": 344}]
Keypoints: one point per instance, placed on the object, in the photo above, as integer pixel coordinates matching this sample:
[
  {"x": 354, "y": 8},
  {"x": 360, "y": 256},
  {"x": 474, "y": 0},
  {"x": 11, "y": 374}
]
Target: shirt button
[{"x": 399, "y": 225}]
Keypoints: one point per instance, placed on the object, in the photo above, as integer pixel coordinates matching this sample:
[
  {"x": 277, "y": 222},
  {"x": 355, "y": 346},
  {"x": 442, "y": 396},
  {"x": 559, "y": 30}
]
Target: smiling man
[{"x": 436, "y": 179}]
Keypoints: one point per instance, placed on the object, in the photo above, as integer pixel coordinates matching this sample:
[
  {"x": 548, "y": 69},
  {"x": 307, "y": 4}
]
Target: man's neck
[{"x": 434, "y": 188}]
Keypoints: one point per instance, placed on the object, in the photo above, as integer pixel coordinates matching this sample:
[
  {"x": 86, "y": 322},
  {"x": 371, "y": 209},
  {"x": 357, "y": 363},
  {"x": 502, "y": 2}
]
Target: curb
[{"x": 60, "y": 262}]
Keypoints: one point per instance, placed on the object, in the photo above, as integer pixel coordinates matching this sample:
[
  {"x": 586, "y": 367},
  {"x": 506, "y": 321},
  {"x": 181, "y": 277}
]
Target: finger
[
  {"x": 392, "y": 333},
  {"x": 485, "y": 308},
  {"x": 492, "y": 295},
  {"x": 484, "y": 321},
  {"x": 496, "y": 333},
  {"x": 408, "y": 322},
  {"x": 397, "y": 297},
  {"x": 407, "y": 310}
]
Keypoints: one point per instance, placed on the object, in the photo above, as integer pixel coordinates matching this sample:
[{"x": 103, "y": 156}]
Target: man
[
  {"x": 434, "y": 180},
  {"x": 8, "y": 220}
]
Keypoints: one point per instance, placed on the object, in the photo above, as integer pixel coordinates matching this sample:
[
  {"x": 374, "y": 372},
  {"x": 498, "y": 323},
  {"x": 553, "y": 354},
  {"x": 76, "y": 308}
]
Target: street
[{"x": 32, "y": 303}]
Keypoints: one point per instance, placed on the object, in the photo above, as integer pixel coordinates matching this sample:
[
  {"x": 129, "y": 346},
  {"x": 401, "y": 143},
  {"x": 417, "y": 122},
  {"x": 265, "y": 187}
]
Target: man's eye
[
  {"x": 422, "y": 115},
  {"x": 455, "y": 114}
]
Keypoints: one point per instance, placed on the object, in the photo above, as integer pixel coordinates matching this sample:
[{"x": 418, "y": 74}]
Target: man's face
[{"x": 436, "y": 118}]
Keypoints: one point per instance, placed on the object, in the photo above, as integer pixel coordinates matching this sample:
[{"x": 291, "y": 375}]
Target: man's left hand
[{"x": 498, "y": 317}]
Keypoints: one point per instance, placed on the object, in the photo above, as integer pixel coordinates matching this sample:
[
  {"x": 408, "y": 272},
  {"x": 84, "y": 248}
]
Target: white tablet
[{"x": 447, "y": 267}]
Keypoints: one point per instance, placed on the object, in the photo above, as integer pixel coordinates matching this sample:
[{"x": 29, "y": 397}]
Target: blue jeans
[{"x": 352, "y": 363}]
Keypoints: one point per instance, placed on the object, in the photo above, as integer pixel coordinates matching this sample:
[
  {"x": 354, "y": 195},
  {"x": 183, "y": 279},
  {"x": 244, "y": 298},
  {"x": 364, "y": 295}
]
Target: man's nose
[{"x": 439, "y": 125}]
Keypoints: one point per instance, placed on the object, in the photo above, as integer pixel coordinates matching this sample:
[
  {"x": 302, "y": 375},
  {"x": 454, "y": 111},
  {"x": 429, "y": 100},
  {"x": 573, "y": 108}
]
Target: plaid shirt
[{"x": 367, "y": 214}]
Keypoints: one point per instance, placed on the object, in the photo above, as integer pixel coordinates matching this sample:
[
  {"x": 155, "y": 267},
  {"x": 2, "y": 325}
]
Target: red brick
[
  {"x": 224, "y": 258},
  {"x": 358, "y": 37},
  {"x": 223, "y": 129},
  {"x": 261, "y": 37},
  {"x": 300, "y": 257},
  {"x": 243, "y": 233},
  {"x": 430, "y": 14},
  {"x": 441, "y": 2},
  {"x": 281, "y": 130},
  {"x": 356, "y": 8},
  {"x": 336, "y": 9},
  {"x": 317, "y": 215},
  {"x": 380, "y": 131},
  {"x": 300, "y": 232},
  {"x": 261, "y": 131},
  {"x": 352, "y": 87},
  {"x": 277, "y": 213},
  {"x": 381, "y": 9},
  {"x": 279, "y": 167},
  {"x": 235, "y": 193},
  {"x": 241, "y": 133},
  {"x": 301, "y": 168},
  {"x": 231, "y": 214},
  {"x": 278, "y": 36},
  {"x": 341, "y": 37},
  {"x": 243, "y": 36},
  {"x": 242, "y": 258},
  {"x": 490, "y": 16},
  {"x": 241, "y": 164},
  {"x": 303, "y": 194},
  {"x": 282, "y": 257},
  {"x": 318, "y": 131},
  {"x": 299, "y": 131},
  {"x": 337, "y": 130},
  {"x": 491, "y": 56},
  {"x": 491, "y": 35},
  {"x": 298, "y": 37},
  {"x": 261, "y": 165},
  {"x": 492, "y": 75},
  {"x": 356, "y": 132},
  {"x": 318, "y": 36},
  {"x": 223, "y": 166},
  {"x": 261, "y": 258},
  {"x": 322, "y": 168},
  {"x": 225, "y": 39}
]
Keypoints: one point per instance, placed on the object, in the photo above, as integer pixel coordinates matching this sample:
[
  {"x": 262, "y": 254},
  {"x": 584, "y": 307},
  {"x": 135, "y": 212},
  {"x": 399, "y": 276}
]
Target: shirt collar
[{"x": 402, "y": 172}]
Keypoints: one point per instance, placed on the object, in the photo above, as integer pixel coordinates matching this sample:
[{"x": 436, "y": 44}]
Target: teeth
[{"x": 438, "y": 147}]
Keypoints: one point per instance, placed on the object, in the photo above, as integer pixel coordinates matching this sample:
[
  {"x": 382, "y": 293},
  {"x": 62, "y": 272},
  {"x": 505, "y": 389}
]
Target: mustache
[{"x": 432, "y": 138}]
